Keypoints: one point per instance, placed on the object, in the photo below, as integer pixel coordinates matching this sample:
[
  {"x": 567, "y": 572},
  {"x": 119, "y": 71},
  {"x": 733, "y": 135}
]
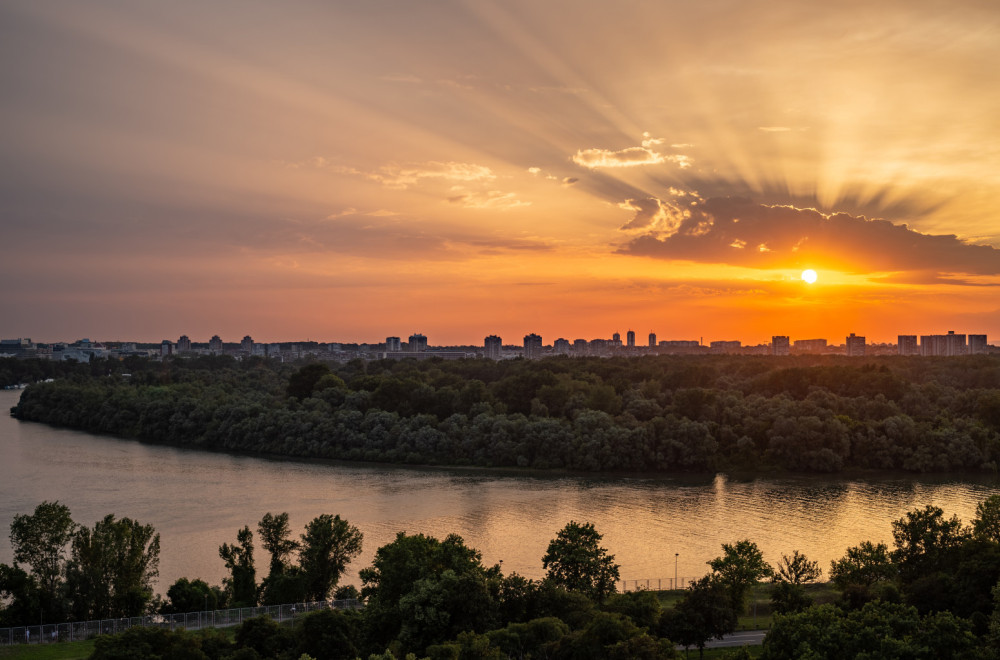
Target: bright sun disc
[{"x": 809, "y": 276}]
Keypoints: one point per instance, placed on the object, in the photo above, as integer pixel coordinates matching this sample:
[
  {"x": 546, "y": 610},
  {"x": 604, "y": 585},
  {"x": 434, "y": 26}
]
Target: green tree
[
  {"x": 575, "y": 560},
  {"x": 328, "y": 546},
  {"x": 925, "y": 541},
  {"x": 797, "y": 569},
  {"x": 113, "y": 567},
  {"x": 274, "y": 536},
  {"x": 863, "y": 565},
  {"x": 39, "y": 540},
  {"x": 191, "y": 596},
  {"x": 705, "y": 612},
  {"x": 303, "y": 381},
  {"x": 242, "y": 581},
  {"x": 986, "y": 524},
  {"x": 740, "y": 567}
]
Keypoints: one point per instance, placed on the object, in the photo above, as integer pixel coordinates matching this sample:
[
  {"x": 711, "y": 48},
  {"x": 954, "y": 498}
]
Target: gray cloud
[{"x": 739, "y": 231}]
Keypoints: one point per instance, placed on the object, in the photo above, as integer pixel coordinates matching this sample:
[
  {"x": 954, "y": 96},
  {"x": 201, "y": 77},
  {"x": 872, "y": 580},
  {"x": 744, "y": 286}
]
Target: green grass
[{"x": 57, "y": 651}]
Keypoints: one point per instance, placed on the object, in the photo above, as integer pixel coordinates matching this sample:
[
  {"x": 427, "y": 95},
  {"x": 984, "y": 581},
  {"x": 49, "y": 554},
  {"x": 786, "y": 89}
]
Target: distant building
[
  {"x": 532, "y": 346},
  {"x": 166, "y": 348},
  {"x": 855, "y": 345},
  {"x": 215, "y": 344},
  {"x": 907, "y": 345},
  {"x": 630, "y": 338},
  {"x": 955, "y": 344},
  {"x": 493, "y": 346},
  {"x": 393, "y": 344},
  {"x": 417, "y": 343},
  {"x": 723, "y": 347},
  {"x": 810, "y": 345},
  {"x": 561, "y": 346},
  {"x": 950, "y": 344},
  {"x": 183, "y": 344},
  {"x": 780, "y": 345},
  {"x": 616, "y": 340},
  {"x": 580, "y": 346},
  {"x": 652, "y": 340},
  {"x": 20, "y": 347},
  {"x": 977, "y": 345}
]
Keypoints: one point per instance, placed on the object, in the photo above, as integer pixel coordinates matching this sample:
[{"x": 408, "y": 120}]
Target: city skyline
[{"x": 711, "y": 169}]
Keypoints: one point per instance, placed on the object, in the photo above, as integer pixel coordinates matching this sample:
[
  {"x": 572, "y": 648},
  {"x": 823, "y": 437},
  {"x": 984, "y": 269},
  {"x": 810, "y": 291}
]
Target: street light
[{"x": 676, "y": 555}]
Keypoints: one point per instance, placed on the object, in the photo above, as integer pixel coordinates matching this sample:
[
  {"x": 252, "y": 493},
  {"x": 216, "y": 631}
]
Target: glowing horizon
[{"x": 351, "y": 172}]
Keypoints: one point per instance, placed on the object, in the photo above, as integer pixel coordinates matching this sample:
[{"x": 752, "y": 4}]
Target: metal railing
[
  {"x": 69, "y": 632},
  {"x": 656, "y": 584}
]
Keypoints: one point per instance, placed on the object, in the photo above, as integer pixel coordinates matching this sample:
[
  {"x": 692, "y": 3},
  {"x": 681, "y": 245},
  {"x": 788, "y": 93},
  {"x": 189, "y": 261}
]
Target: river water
[{"x": 198, "y": 500}]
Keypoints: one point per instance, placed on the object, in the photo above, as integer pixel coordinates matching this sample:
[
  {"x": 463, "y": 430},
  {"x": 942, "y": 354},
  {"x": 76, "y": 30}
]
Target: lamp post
[{"x": 676, "y": 555}]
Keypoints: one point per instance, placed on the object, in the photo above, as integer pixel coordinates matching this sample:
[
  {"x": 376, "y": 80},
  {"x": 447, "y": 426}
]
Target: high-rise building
[
  {"x": 580, "y": 346},
  {"x": 907, "y": 345},
  {"x": 630, "y": 338},
  {"x": 652, "y": 340},
  {"x": 532, "y": 346},
  {"x": 723, "y": 347},
  {"x": 977, "y": 344},
  {"x": 417, "y": 343},
  {"x": 780, "y": 345},
  {"x": 616, "y": 340},
  {"x": 954, "y": 344},
  {"x": 166, "y": 348},
  {"x": 560, "y": 346},
  {"x": 247, "y": 344},
  {"x": 855, "y": 345},
  {"x": 810, "y": 345},
  {"x": 393, "y": 345},
  {"x": 215, "y": 344},
  {"x": 493, "y": 347},
  {"x": 183, "y": 344}
]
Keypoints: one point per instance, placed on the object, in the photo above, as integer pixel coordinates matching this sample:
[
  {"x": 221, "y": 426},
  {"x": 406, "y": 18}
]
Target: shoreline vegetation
[{"x": 642, "y": 416}]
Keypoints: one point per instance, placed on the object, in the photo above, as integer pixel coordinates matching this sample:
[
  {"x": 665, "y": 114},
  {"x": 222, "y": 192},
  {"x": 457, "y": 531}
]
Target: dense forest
[{"x": 650, "y": 414}]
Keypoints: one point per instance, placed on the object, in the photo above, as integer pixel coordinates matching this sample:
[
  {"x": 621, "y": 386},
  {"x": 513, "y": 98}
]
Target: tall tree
[
  {"x": 986, "y": 524},
  {"x": 274, "y": 533},
  {"x": 112, "y": 569},
  {"x": 576, "y": 561},
  {"x": 741, "y": 566},
  {"x": 797, "y": 569},
  {"x": 242, "y": 580},
  {"x": 39, "y": 540},
  {"x": 328, "y": 546}
]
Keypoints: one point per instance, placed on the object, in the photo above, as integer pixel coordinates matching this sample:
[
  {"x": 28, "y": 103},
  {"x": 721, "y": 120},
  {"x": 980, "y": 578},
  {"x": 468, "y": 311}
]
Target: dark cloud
[{"x": 738, "y": 231}]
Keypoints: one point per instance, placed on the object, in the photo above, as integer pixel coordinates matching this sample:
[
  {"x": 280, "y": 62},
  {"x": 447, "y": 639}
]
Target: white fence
[
  {"x": 656, "y": 584},
  {"x": 68, "y": 632}
]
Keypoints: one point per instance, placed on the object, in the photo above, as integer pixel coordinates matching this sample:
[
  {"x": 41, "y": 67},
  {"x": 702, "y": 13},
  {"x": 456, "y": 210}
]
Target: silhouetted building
[
  {"x": 532, "y": 346},
  {"x": 580, "y": 346},
  {"x": 810, "y": 345},
  {"x": 393, "y": 344},
  {"x": 247, "y": 344},
  {"x": 616, "y": 340},
  {"x": 630, "y": 338},
  {"x": 417, "y": 343},
  {"x": 943, "y": 345},
  {"x": 977, "y": 345},
  {"x": 652, "y": 340},
  {"x": 183, "y": 344},
  {"x": 493, "y": 347},
  {"x": 855, "y": 345},
  {"x": 560, "y": 346},
  {"x": 215, "y": 344},
  {"x": 166, "y": 348},
  {"x": 907, "y": 345},
  {"x": 780, "y": 345},
  {"x": 723, "y": 347}
]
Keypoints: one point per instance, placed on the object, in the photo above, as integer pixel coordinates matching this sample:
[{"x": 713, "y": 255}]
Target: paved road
[{"x": 748, "y": 637}]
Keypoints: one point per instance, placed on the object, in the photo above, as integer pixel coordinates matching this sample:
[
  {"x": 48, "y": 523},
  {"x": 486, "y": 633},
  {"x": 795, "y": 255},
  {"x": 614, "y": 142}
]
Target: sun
[{"x": 809, "y": 276}]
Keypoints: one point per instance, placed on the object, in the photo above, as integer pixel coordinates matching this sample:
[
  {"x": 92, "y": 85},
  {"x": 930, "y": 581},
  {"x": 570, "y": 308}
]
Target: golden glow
[{"x": 809, "y": 276}]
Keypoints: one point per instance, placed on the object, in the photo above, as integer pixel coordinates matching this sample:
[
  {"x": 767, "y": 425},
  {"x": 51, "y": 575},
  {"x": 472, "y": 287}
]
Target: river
[{"x": 198, "y": 500}]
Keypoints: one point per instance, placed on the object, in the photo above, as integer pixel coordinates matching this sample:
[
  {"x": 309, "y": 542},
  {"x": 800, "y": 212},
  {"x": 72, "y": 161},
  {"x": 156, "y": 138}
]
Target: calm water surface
[{"x": 197, "y": 501}]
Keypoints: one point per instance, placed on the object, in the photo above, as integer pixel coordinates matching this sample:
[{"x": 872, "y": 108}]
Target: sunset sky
[{"x": 344, "y": 171}]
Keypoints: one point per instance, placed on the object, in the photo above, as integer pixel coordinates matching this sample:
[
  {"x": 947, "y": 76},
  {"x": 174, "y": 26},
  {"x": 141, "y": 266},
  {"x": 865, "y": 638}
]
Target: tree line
[
  {"x": 655, "y": 413},
  {"x": 934, "y": 594}
]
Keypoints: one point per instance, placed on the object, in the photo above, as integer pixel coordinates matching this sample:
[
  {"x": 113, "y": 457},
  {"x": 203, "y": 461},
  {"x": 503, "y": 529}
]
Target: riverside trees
[{"x": 656, "y": 413}]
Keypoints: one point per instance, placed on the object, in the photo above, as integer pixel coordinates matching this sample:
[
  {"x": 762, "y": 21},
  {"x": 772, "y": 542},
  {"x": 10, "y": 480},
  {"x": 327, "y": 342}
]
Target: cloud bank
[{"x": 741, "y": 232}]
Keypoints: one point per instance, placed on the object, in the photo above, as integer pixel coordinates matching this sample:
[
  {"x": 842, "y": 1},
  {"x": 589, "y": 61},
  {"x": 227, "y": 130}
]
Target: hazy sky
[{"x": 356, "y": 169}]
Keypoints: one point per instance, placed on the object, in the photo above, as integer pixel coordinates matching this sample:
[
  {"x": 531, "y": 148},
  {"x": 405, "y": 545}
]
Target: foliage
[
  {"x": 924, "y": 540},
  {"x": 986, "y": 524},
  {"x": 789, "y": 597},
  {"x": 705, "y": 612},
  {"x": 327, "y": 546},
  {"x": 741, "y": 566},
  {"x": 575, "y": 560},
  {"x": 242, "y": 581},
  {"x": 797, "y": 569},
  {"x": 862, "y": 566},
  {"x": 191, "y": 596},
  {"x": 112, "y": 568},
  {"x": 655, "y": 413},
  {"x": 39, "y": 540}
]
